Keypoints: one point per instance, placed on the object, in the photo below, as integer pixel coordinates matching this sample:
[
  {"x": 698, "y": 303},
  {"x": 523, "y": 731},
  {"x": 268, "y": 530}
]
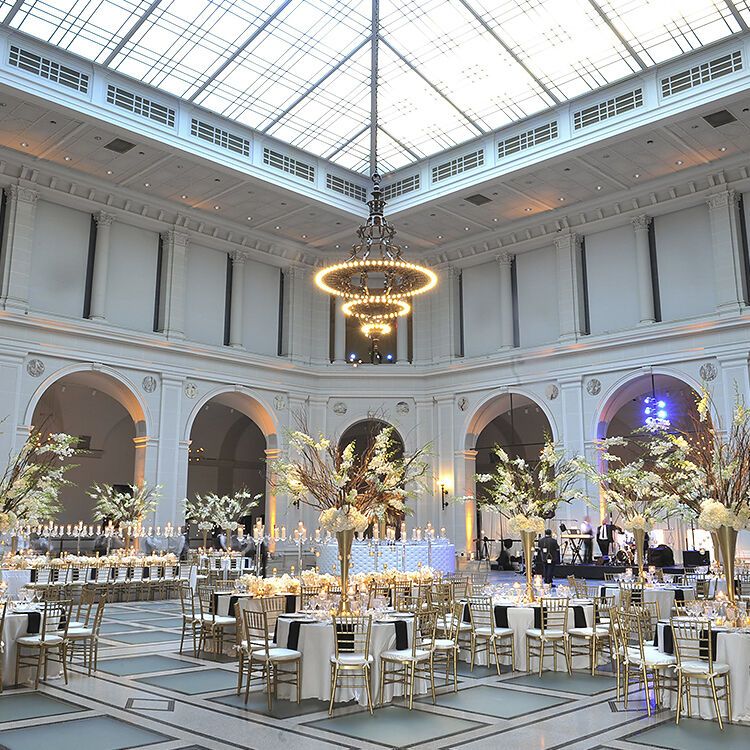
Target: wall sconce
[{"x": 443, "y": 495}]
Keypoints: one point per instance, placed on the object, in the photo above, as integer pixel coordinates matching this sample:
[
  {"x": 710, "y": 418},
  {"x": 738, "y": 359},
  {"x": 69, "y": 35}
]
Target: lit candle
[{"x": 283, "y": 533}]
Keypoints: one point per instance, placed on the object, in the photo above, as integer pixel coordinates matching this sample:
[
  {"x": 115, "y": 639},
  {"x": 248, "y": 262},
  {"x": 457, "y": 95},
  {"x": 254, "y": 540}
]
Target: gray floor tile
[
  {"x": 495, "y": 701},
  {"x": 134, "y": 665},
  {"x": 694, "y": 734},
  {"x": 24, "y": 705},
  {"x": 192, "y": 683}
]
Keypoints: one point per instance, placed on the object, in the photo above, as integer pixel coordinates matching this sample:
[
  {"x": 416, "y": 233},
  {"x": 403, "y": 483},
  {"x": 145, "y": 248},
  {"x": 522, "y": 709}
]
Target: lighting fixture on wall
[
  {"x": 443, "y": 495},
  {"x": 375, "y": 282},
  {"x": 655, "y": 410}
]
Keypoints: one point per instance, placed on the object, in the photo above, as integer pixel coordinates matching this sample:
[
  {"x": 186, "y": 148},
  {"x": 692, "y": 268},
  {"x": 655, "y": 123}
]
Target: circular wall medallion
[
  {"x": 552, "y": 391},
  {"x": 149, "y": 384},
  {"x": 463, "y": 403},
  {"x": 708, "y": 371},
  {"x": 594, "y": 387},
  {"x": 191, "y": 390},
  {"x": 402, "y": 407},
  {"x": 35, "y": 367},
  {"x": 279, "y": 402},
  {"x": 339, "y": 408}
]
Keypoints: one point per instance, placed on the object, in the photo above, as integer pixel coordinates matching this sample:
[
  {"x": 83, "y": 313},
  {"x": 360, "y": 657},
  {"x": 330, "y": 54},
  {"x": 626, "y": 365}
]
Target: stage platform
[{"x": 596, "y": 572}]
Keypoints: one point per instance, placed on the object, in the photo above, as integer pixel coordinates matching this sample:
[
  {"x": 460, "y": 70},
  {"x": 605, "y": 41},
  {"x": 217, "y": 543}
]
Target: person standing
[
  {"x": 549, "y": 551},
  {"x": 587, "y": 530},
  {"x": 605, "y": 535}
]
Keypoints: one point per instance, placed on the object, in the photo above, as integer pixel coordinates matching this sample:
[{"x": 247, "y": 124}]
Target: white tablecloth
[
  {"x": 663, "y": 595},
  {"x": 439, "y": 555},
  {"x": 732, "y": 648},
  {"x": 224, "y": 599},
  {"x": 316, "y": 644},
  {"x": 15, "y": 579},
  {"x": 521, "y": 619},
  {"x": 15, "y": 628}
]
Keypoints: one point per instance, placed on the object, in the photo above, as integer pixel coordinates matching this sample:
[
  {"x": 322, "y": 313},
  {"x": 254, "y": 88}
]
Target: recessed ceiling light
[
  {"x": 304, "y": 236},
  {"x": 249, "y": 218},
  {"x": 24, "y": 144},
  {"x": 561, "y": 198},
  {"x": 277, "y": 227},
  {"x": 494, "y": 220},
  {"x": 722, "y": 148},
  {"x": 679, "y": 162},
  {"x": 184, "y": 197},
  {"x": 598, "y": 187},
  {"x": 216, "y": 208},
  {"x": 146, "y": 184},
  {"x": 109, "y": 171},
  {"x": 338, "y": 246},
  {"x": 528, "y": 210},
  {"x": 406, "y": 247},
  {"x": 67, "y": 158},
  {"x": 440, "y": 236},
  {"x": 466, "y": 229},
  {"x": 636, "y": 175}
]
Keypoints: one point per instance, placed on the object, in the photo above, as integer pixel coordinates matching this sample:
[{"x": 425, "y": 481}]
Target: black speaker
[{"x": 692, "y": 558}]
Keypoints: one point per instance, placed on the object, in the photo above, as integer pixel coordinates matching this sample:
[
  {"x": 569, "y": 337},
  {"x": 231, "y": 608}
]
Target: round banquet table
[
  {"x": 224, "y": 602},
  {"x": 315, "y": 640},
  {"x": 521, "y": 618},
  {"x": 16, "y": 579},
  {"x": 403, "y": 556},
  {"x": 664, "y": 595},
  {"x": 16, "y": 626},
  {"x": 733, "y": 648}
]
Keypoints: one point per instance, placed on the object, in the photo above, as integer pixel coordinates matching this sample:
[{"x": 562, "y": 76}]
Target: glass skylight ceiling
[{"x": 450, "y": 69}]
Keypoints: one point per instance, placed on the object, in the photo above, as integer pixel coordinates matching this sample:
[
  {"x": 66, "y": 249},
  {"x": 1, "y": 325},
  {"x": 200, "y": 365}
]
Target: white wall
[
  {"x": 685, "y": 263},
  {"x": 58, "y": 261},
  {"x": 205, "y": 292},
  {"x": 538, "y": 317},
  {"x": 610, "y": 256},
  {"x": 481, "y": 303},
  {"x": 261, "y": 307},
  {"x": 131, "y": 277}
]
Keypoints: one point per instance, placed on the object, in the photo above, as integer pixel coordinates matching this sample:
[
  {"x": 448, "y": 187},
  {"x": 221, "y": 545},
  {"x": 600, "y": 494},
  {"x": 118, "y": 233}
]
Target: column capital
[
  {"x": 723, "y": 199},
  {"x": 568, "y": 240},
  {"x": 469, "y": 454},
  {"x": 175, "y": 237},
  {"x": 103, "y": 219},
  {"x": 505, "y": 259},
  {"x": 23, "y": 194},
  {"x": 641, "y": 223},
  {"x": 272, "y": 454},
  {"x": 238, "y": 257}
]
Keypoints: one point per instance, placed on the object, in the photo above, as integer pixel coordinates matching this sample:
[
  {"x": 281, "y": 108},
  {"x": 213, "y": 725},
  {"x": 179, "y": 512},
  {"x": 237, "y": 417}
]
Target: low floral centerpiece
[
  {"x": 351, "y": 490},
  {"x": 529, "y": 492}
]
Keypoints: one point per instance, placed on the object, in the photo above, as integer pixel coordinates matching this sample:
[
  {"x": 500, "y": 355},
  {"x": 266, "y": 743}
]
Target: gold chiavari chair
[
  {"x": 378, "y": 591},
  {"x": 579, "y": 586},
  {"x": 610, "y": 576},
  {"x": 403, "y": 666},
  {"x": 86, "y": 638},
  {"x": 553, "y": 617},
  {"x": 189, "y": 619},
  {"x": 593, "y": 640},
  {"x": 307, "y": 593},
  {"x": 631, "y": 593},
  {"x": 2, "y": 642},
  {"x": 273, "y": 606},
  {"x": 351, "y": 659},
  {"x": 486, "y": 635},
  {"x": 212, "y": 626},
  {"x": 448, "y": 645},
  {"x": 695, "y": 663},
  {"x": 478, "y": 582},
  {"x": 49, "y": 645},
  {"x": 649, "y": 613},
  {"x": 265, "y": 660},
  {"x": 460, "y": 586},
  {"x": 641, "y": 659}
]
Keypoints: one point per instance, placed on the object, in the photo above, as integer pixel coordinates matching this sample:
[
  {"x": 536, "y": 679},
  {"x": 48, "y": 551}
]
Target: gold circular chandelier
[{"x": 375, "y": 281}]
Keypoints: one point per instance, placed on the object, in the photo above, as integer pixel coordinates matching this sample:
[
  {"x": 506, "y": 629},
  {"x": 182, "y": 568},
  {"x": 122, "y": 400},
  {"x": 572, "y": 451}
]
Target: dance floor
[{"x": 148, "y": 695}]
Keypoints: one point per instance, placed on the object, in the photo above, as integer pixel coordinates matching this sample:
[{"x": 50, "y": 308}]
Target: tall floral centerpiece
[
  {"x": 201, "y": 511},
  {"x": 631, "y": 487},
  {"x": 32, "y": 480},
  {"x": 528, "y": 492},
  {"x": 125, "y": 510},
  {"x": 706, "y": 469},
  {"x": 228, "y": 509},
  {"x": 351, "y": 491}
]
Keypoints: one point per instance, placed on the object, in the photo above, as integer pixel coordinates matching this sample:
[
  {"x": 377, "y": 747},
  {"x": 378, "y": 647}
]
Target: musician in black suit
[
  {"x": 549, "y": 551},
  {"x": 605, "y": 535}
]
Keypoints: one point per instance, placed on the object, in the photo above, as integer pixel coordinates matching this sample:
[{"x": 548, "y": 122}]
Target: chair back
[
  {"x": 352, "y": 635},
  {"x": 603, "y": 606},
  {"x": 554, "y": 613},
  {"x": 649, "y": 612},
  {"x": 96, "y": 622},
  {"x": 440, "y": 597},
  {"x": 273, "y": 606},
  {"x": 103, "y": 574},
  {"x": 122, "y": 574},
  {"x": 307, "y": 593},
  {"x": 55, "y": 618},
  {"x": 206, "y": 603},
  {"x": 482, "y": 613},
  {"x": 185, "y": 571},
  {"x": 630, "y": 594},
  {"x": 423, "y": 632},
  {"x": 85, "y": 606},
  {"x": 187, "y": 602},
  {"x": 136, "y": 574},
  {"x": 378, "y": 591},
  {"x": 630, "y": 633},
  {"x": 692, "y": 641},
  {"x": 478, "y": 582},
  {"x": 255, "y": 628},
  {"x": 460, "y": 586},
  {"x": 43, "y": 575}
]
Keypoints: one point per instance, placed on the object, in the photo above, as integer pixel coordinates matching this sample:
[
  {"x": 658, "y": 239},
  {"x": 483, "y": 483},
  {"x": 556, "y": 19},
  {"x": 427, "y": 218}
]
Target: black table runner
[{"x": 668, "y": 646}]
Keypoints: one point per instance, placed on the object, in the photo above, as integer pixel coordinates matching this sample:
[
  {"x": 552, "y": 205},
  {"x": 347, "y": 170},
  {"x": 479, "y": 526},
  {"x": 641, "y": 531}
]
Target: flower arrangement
[
  {"x": 228, "y": 509},
  {"x": 262, "y": 587},
  {"x": 351, "y": 490},
  {"x": 124, "y": 508},
  {"x": 32, "y": 480},
  {"x": 200, "y": 511},
  {"x": 530, "y": 492}
]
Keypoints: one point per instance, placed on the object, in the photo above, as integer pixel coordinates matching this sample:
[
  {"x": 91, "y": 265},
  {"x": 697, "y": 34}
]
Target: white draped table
[
  {"x": 520, "y": 619},
  {"x": 16, "y": 626},
  {"x": 16, "y": 579},
  {"x": 402, "y": 556},
  {"x": 315, "y": 642},
  {"x": 733, "y": 648},
  {"x": 664, "y": 595}
]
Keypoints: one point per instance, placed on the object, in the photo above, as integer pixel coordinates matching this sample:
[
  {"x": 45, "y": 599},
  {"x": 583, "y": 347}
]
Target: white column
[
  {"x": 172, "y": 313},
  {"x": 426, "y": 506},
  {"x": 402, "y": 340},
  {"x": 17, "y": 245},
  {"x": 146, "y": 453},
  {"x": 339, "y": 331},
  {"x": 466, "y": 468},
  {"x": 505, "y": 261},
  {"x": 443, "y": 329},
  {"x": 237, "y": 309},
  {"x": 569, "y": 286},
  {"x": 723, "y": 211},
  {"x": 271, "y": 518},
  {"x": 643, "y": 268},
  {"x": 101, "y": 265},
  {"x": 735, "y": 383},
  {"x": 11, "y": 376},
  {"x": 572, "y": 435},
  {"x": 171, "y": 469}
]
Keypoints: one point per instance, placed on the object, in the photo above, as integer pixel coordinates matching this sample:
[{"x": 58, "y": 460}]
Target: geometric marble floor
[{"x": 146, "y": 694}]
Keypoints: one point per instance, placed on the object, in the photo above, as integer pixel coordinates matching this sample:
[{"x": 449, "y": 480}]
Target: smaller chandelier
[{"x": 375, "y": 281}]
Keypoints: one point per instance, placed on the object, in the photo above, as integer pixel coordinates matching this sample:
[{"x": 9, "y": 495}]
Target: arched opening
[
  {"x": 519, "y": 427},
  {"x": 228, "y": 451},
  {"x": 625, "y": 414},
  {"x": 363, "y": 435},
  {"x": 108, "y": 420}
]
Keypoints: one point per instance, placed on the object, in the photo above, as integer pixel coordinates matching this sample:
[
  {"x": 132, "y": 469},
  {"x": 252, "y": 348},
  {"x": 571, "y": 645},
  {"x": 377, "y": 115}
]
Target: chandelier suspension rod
[{"x": 374, "y": 87}]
